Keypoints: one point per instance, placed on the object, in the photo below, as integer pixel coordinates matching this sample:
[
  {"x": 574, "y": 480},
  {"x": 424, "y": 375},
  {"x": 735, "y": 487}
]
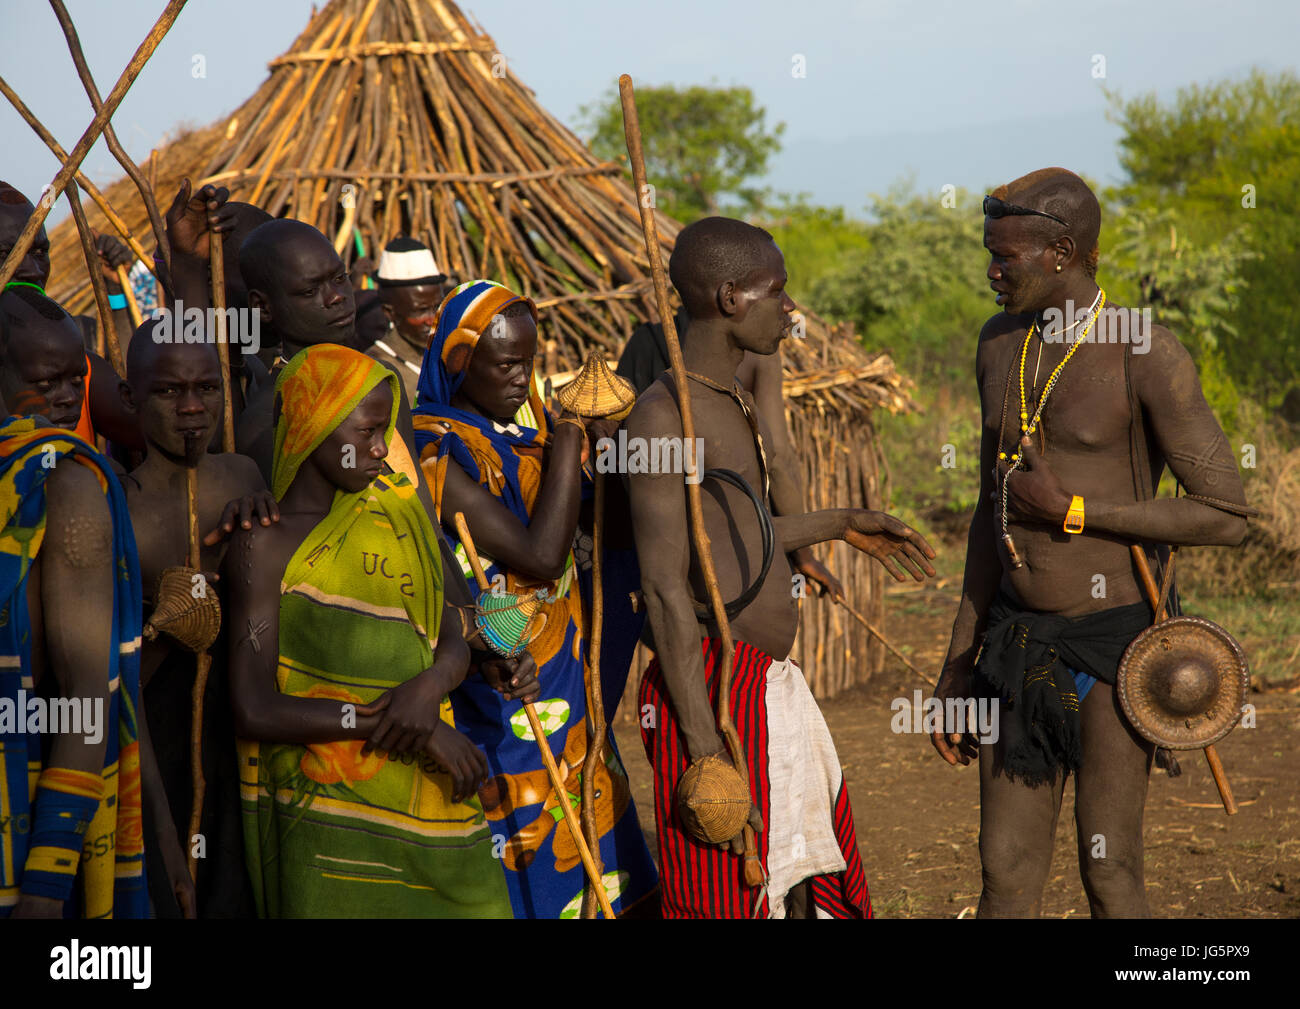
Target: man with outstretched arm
[{"x": 731, "y": 278}]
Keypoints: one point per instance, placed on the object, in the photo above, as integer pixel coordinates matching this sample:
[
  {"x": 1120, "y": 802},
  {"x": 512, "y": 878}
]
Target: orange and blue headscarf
[
  {"x": 488, "y": 451},
  {"x": 317, "y": 390}
]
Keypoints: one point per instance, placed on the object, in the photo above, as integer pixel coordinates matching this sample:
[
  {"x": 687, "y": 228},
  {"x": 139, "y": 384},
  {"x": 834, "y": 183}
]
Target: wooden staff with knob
[
  {"x": 203, "y": 662},
  {"x": 548, "y": 758},
  {"x": 132, "y": 306},
  {"x": 595, "y": 697},
  {"x": 1157, "y": 598},
  {"x": 754, "y": 875},
  {"x": 217, "y": 267}
]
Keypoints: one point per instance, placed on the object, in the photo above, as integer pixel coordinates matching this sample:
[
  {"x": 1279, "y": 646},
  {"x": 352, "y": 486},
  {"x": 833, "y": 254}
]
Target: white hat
[{"x": 406, "y": 262}]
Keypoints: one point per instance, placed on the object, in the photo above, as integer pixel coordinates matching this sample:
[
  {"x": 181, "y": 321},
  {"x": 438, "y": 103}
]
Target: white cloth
[{"x": 804, "y": 778}]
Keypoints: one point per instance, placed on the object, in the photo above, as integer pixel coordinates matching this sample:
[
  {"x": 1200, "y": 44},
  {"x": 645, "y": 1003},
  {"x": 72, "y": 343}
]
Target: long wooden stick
[
  {"x": 595, "y": 695},
  {"x": 132, "y": 306},
  {"x": 217, "y": 267},
  {"x": 548, "y": 758},
  {"x": 107, "y": 336},
  {"x": 89, "y": 187},
  {"x": 884, "y": 640},
  {"x": 110, "y": 135},
  {"x": 632, "y": 131},
  {"x": 203, "y": 662},
  {"x": 1156, "y": 598},
  {"x": 88, "y": 138}
]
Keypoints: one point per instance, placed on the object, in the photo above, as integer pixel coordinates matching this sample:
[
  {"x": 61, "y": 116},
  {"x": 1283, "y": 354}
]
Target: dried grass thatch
[{"x": 402, "y": 116}]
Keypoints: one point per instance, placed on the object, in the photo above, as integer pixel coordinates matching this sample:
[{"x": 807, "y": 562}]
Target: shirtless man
[
  {"x": 1041, "y": 233},
  {"x": 297, "y": 282},
  {"x": 106, "y": 414},
  {"x": 175, "y": 391},
  {"x": 44, "y": 367},
  {"x": 646, "y": 357},
  {"x": 731, "y": 278}
]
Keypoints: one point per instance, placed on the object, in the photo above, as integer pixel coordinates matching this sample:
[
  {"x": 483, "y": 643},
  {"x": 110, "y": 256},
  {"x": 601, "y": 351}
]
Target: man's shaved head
[
  {"x": 264, "y": 245},
  {"x": 174, "y": 389},
  {"x": 297, "y": 282},
  {"x": 1060, "y": 192},
  {"x": 248, "y": 219},
  {"x": 712, "y": 251},
  {"x": 144, "y": 351},
  {"x": 42, "y": 362}
]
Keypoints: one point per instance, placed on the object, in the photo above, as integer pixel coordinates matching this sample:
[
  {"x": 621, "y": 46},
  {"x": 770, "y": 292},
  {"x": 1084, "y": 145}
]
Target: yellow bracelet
[{"x": 1074, "y": 517}]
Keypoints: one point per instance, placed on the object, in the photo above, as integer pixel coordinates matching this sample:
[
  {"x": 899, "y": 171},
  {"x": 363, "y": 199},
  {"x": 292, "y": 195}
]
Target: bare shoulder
[
  {"x": 258, "y": 546},
  {"x": 239, "y": 472},
  {"x": 70, "y": 483},
  {"x": 993, "y": 339},
  {"x": 78, "y": 521},
  {"x": 655, "y": 413},
  {"x": 1156, "y": 349}
]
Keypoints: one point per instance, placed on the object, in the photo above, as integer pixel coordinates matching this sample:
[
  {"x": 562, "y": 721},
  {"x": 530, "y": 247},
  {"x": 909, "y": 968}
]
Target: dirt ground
[{"x": 918, "y": 819}]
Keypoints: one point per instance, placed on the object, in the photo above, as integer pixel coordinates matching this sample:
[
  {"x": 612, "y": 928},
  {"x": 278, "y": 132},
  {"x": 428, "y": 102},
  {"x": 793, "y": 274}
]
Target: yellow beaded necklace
[{"x": 1029, "y": 425}]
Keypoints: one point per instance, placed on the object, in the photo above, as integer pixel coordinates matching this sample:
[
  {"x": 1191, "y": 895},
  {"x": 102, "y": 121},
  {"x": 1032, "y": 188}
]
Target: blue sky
[{"x": 938, "y": 92}]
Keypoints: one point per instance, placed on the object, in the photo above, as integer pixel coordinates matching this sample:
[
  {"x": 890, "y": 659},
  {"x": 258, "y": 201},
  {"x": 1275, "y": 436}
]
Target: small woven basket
[
  {"x": 508, "y": 622},
  {"x": 713, "y": 800},
  {"x": 183, "y": 612}
]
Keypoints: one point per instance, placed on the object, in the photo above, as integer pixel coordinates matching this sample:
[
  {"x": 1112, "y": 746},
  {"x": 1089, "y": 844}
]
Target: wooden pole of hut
[
  {"x": 88, "y": 138},
  {"x": 114, "y": 219},
  {"x": 110, "y": 135}
]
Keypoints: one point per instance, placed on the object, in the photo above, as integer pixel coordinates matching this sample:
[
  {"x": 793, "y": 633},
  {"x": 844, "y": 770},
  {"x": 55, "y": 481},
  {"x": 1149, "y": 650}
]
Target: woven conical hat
[
  {"x": 597, "y": 392},
  {"x": 1182, "y": 683}
]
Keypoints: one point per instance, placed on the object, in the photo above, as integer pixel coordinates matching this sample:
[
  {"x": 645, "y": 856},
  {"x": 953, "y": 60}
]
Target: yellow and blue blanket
[{"x": 55, "y": 804}]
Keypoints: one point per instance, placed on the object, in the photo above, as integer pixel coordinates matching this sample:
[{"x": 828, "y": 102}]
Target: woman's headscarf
[
  {"x": 485, "y": 449},
  {"x": 317, "y": 390}
]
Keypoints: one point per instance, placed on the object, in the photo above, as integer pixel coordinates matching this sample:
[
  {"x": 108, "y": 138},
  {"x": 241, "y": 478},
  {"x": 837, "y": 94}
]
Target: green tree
[
  {"x": 704, "y": 146},
  {"x": 815, "y": 241},
  {"x": 1205, "y": 227},
  {"x": 916, "y": 286}
]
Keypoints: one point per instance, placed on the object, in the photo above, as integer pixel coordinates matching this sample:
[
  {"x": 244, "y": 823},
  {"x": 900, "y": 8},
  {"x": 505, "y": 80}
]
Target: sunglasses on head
[{"x": 995, "y": 208}]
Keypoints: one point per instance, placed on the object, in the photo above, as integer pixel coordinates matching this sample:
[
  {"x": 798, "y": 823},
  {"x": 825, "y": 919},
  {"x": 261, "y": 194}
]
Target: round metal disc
[{"x": 1182, "y": 683}]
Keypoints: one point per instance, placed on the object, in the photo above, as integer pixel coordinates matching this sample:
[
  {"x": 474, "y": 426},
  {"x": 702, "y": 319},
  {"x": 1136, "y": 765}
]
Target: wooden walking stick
[
  {"x": 548, "y": 758},
  {"x": 217, "y": 267},
  {"x": 96, "y": 196},
  {"x": 203, "y": 662},
  {"x": 1157, "y": 598},
  {"x": 106, "y": 343},
  {"x": 78, "y": 153},
  {"x": 754, "y": 875},
  {"x": 883, "y": 640},
  {"x": 132, "y": 306},
  {"x": 110, "y": 135},
  {"x": 595, "y": 697}
]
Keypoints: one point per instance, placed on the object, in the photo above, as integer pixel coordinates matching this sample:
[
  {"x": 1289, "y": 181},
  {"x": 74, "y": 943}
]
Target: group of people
[{"x": 365, "y": 752}]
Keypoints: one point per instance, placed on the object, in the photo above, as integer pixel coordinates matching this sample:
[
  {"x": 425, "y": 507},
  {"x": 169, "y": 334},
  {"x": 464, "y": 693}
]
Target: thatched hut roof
[{"x": 402, "y": 116}]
